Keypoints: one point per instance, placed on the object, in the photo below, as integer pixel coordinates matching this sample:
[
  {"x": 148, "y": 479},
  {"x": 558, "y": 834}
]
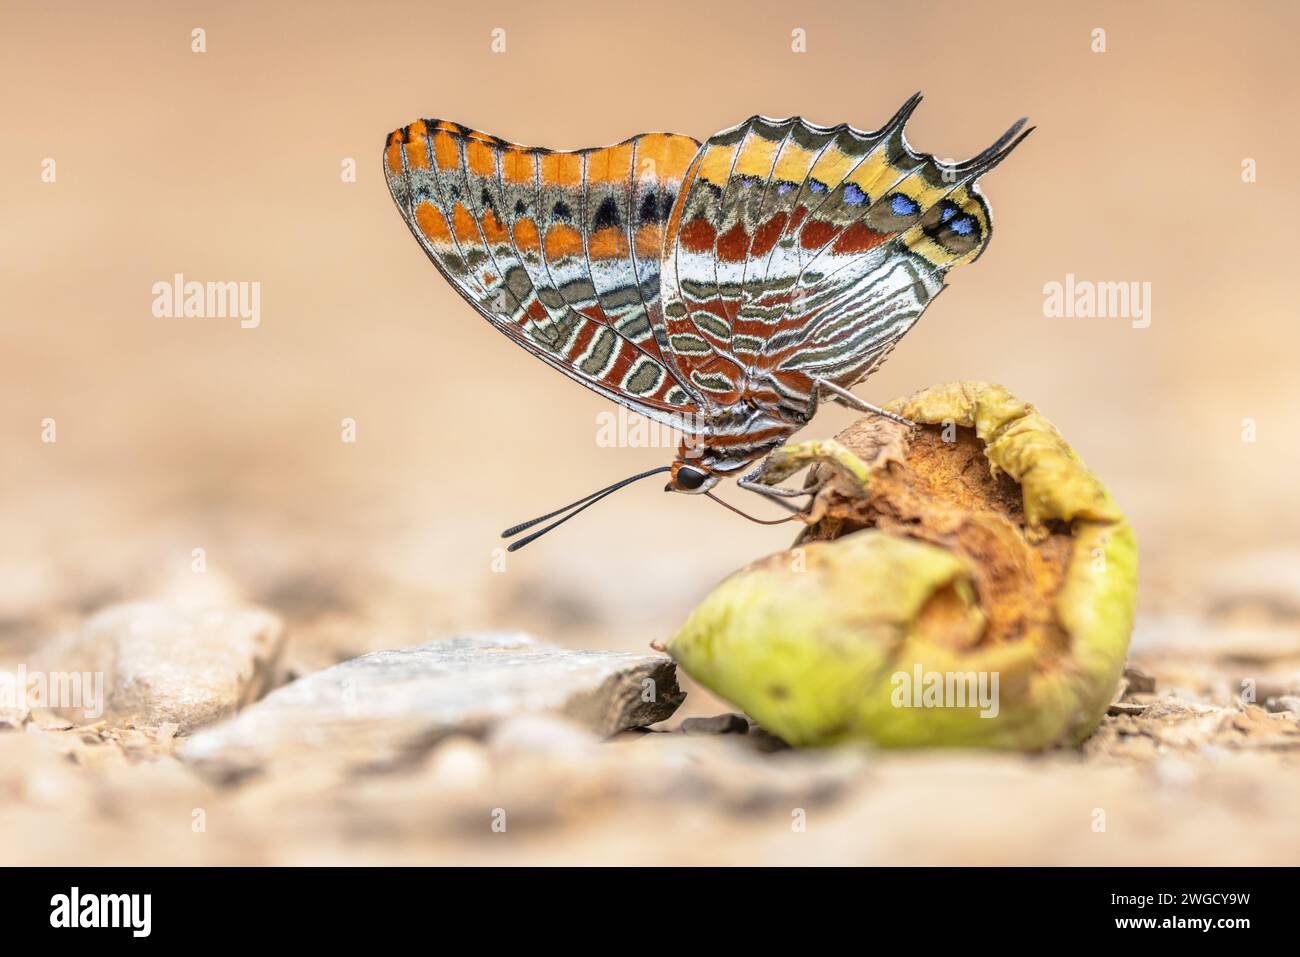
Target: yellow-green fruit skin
[{"x": 811, "y": 642}]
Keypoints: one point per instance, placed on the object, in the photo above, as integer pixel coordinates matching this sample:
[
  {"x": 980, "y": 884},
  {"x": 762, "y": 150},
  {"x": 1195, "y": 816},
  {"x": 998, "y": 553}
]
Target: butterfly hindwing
[
  {"x": 800, "y": 252},
  {"x": 559, "y": 250}
]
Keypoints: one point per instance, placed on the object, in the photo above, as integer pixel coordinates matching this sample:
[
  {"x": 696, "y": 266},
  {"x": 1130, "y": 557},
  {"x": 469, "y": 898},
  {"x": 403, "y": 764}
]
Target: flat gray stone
[
  {"x": 391, "y": 707},
  {"x": 152, "y": 663}
]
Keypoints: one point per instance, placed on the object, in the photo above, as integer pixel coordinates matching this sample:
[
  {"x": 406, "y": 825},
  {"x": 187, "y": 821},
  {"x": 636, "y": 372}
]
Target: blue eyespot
[
  {"x": 964, "y": 226},
  {"x": 783, "y": 187},
  {"x": 902, "y": 205},
  {"x": 854, "y": 195},
  {"x": 815, "y": 187},
  {"x": 949, "y": 211}
]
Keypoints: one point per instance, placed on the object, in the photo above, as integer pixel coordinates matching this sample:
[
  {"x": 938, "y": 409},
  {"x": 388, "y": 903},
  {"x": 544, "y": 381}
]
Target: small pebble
[
  {"x": 460, "y": 762},
  {"x": 1138, "y": 680},
  {"x": 1126, "y": 707},
  {"x": 718, "y": 724}
]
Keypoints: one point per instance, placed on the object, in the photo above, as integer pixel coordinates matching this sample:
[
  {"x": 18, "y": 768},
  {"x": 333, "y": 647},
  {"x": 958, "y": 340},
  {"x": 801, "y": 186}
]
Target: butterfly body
[{"x": 723, "y": 288}]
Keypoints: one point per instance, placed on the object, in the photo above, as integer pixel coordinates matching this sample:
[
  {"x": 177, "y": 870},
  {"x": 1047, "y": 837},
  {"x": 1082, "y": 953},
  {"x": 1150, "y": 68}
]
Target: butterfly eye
[{"x": 690, "y": 478}]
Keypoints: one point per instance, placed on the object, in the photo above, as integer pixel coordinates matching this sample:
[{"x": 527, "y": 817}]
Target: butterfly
[{"x": 722, "y": 288}]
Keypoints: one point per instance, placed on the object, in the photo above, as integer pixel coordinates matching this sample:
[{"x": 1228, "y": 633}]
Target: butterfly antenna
[
  {"x": 580, "y": 505},
  {"x": 756, "y": 521}
]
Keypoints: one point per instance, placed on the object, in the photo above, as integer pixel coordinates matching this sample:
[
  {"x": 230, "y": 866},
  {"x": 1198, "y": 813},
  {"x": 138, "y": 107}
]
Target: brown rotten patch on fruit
[{"x": 934, "y": 484}]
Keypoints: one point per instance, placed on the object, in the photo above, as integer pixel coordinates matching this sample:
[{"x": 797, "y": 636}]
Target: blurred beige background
[{"x": 176, "y": 434}]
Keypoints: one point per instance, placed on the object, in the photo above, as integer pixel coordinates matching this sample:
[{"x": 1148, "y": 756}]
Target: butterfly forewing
[{"x": 560, "y": 251}]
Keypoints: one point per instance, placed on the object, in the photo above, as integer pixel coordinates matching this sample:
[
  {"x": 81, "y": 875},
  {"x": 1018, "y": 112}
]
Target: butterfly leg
[
  {"x": 753, "y": 481},
  {"x": 789, "y": 459},
  {"x": 845, "y": 397}
]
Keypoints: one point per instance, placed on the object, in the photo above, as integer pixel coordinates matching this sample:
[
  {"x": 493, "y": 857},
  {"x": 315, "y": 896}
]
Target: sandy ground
[{"x": 1199, "y": 763}]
